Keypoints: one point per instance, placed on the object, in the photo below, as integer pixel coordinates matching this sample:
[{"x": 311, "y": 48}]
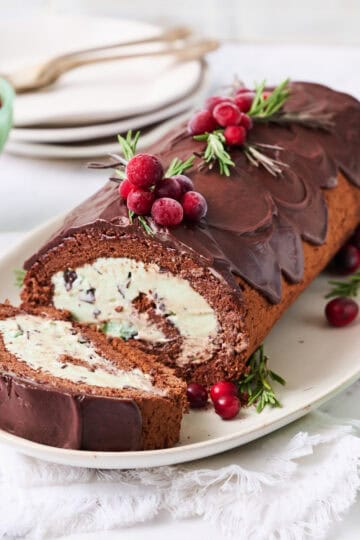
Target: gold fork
[{"x": 42, "y": 75}]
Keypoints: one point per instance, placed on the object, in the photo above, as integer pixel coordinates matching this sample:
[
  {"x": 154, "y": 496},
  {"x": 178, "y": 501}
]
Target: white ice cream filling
[
  {"x": 103, "y": 292},
  {"x": 44, "y": 345}
]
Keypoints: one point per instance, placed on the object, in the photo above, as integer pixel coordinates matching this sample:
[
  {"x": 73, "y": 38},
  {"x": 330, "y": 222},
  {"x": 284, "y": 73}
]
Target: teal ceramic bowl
[{"x": 6, "y": 103}]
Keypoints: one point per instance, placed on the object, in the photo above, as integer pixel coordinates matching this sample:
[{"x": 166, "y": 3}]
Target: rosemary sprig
[
  {"x": 257, "y": 383},
  {"x": 262, "y": 108},
  {"x": 143, "y": 222},
  {"x": 258, "y": 158},
  {"x": 215, "y": 151},
  {"x": 324, "y": 121},
  {"x": 129, "y": 144},
  {"x": 178, "y": 167},
  {"x": 350, "y": 287},
  {"x": 19, "y": 277}
]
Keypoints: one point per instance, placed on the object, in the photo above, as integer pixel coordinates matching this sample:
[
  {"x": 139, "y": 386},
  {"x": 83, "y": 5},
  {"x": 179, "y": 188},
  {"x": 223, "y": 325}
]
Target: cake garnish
[
  {"x": 19, "y": 277},
  {"x": 254, "y": 388},
  {"x": 342, "y": 309},
  {"x": 227, "y": 120},
  {"x": 152, "y": 196},
  {"x": 256, "y": 385}
]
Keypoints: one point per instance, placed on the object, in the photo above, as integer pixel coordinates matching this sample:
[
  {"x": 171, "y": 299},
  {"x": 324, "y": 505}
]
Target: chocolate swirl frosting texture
[{"x": 255, "y": 222}]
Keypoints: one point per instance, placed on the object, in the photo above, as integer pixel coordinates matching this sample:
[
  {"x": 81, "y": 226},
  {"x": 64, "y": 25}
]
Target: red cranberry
[
  {"x": 244, "y": 101},
  {"x": 223, "y": 388},
  {"x": 227, "y": 406},
  {"x": 144, "y": 170},
  {"x": 235, "y": 135},
  {"x": 194, "y": 206},
  {"x": 246, "y": 121},
  {"x": 185, "y": 183},
  {"x": 201, "y": 122},
  {"x": 242, "y": 90},
  {"x": 197, "y": 395},
  {"x": 167, "y": 212},
  {"x": 341, "y": 311},
  {"x": 212, "y": 101},
  {"x": 124, "y": 188},
  {"x": 227, "y": 114},
  {"x": 140, "y": 201},
  {"x": 169, "y": 187},
  {"x": 347, "y": 259},
  {"x": 355, "y": 239}
]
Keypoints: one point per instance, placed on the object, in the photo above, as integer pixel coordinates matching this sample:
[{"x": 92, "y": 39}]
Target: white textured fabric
[{"x": 289, "y": 486}]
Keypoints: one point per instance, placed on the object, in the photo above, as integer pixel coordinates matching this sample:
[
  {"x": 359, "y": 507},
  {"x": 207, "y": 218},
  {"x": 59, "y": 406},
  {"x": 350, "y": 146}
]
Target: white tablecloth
[{"x": 32, "y": 191}]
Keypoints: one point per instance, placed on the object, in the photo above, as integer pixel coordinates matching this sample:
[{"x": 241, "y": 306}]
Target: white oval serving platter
[{"x": 317, "y": 362}]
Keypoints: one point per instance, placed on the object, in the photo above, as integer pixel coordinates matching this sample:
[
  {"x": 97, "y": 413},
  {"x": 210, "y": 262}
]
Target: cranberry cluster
[
  {"x": 228, "y": 113},
  {"x": 167, "y": 200},
  {"x": 342, "y": 310},
  {"x": 224, "y": 396}
]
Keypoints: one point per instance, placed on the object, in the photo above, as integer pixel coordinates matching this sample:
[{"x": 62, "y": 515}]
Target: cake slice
[
  {"x": 203, "y": 296},
  {"x": 63, "y": 385}
]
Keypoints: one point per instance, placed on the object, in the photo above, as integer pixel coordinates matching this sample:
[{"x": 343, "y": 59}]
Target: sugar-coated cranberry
[
  {"x": 227, "y": 406},
  {"x": 246, "y": 121},
  {"x": 144, "y": 170},
  {"x": 235, "y": 135},
  {"x": 243, "y": 90},
  {"x": 355, "y": 239},
  {"x": 194, "y": 205},
  {"x": 169, "y": 187},
  {"x": 223, "y": 388},
  {"x": 197, "y": 395},
  {"x": 185, "y": 183},
  {"x": 212, "y": 101},
  {"x": 347, "y": 259},
  {"x": 124, "y": 188},
  {"x": 227, "y": 114},
  {"x": 244, "y": 101},
  {"x": 201, "y": 122},
  {"x": 167, "y": 212},
  {"x": 140, "y": 201},
  {"x": 341, "y": 311}
]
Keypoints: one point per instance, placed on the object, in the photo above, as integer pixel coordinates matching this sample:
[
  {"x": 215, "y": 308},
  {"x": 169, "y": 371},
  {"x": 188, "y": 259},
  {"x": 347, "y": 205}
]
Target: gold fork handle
[
  {"x": 187, "y": 52},
  {"x": 171, "y": 34}
]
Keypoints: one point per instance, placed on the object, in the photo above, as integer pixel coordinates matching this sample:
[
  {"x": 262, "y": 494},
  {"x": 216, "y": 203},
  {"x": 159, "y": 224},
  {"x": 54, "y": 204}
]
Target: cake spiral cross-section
[{"x": 63, "y": 385}]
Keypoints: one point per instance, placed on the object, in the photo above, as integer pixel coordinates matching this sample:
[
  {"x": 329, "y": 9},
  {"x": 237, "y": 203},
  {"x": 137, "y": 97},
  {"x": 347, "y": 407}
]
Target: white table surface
[{"x": 32, "y": 191}]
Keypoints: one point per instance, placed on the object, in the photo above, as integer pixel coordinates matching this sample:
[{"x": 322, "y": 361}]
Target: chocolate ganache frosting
[{"x": 255, "y": 221}]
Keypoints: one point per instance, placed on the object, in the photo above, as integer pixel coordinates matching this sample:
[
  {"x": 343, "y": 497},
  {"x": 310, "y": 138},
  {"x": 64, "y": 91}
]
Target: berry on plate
[
  {"x": 235, "y": 135},
  {"x": 227, "y": 406},
  {"x": 341, "y": 311},
  {"x": 197, "y": 395},
  {"x": 223, "y": 388}
]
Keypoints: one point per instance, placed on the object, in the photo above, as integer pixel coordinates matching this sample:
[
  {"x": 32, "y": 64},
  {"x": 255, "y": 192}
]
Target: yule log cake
[
  {"x": 203, "y": 296},
  {"x": 64, "y": 385}
]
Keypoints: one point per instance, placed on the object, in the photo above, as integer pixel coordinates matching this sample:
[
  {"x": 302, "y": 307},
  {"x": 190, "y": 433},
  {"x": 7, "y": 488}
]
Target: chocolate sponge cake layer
[
  {"x": 203, "y": 297},
  {"x": 64, "y": 385}
]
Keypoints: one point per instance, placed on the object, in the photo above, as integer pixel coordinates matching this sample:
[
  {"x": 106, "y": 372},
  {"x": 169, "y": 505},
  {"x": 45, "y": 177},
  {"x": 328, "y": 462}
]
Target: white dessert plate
[
  {"x": 92, "y": 149},
  {"x": 317, "y": 361},
  {"x": 96, "y": 93},
  {"x": 93, "y": 131}
]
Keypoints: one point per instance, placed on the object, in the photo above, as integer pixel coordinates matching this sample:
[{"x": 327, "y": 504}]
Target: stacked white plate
[{"x": 83, "y": 112}]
